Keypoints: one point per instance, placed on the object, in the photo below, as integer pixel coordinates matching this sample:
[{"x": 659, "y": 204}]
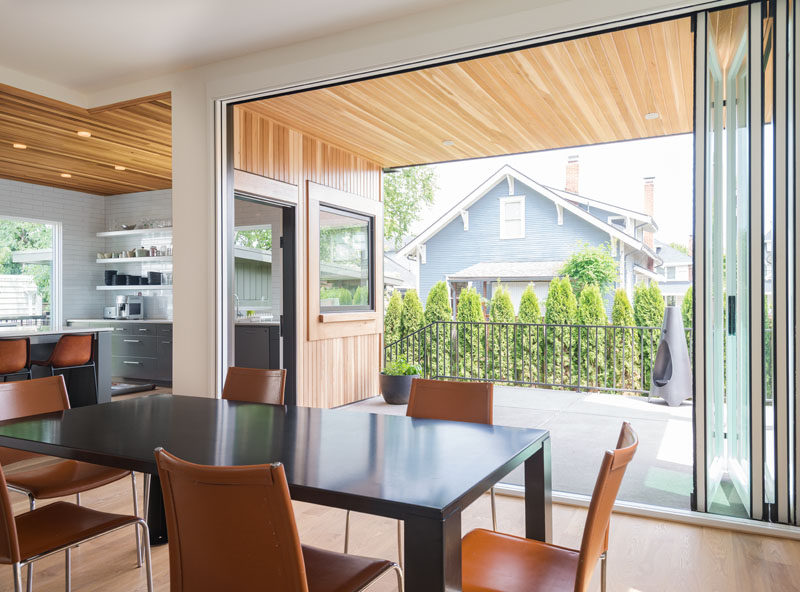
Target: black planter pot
[{"x": 396, "y": 389}]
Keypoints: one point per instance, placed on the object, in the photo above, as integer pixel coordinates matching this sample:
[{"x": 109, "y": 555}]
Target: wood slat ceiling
[
  {"x": 572, "y": 93},
  {"x": 135, "y": 134}
]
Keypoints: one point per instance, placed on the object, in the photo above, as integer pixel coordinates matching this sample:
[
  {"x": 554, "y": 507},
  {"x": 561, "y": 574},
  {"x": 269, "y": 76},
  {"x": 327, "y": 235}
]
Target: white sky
[{"x": 613, "y": 173}]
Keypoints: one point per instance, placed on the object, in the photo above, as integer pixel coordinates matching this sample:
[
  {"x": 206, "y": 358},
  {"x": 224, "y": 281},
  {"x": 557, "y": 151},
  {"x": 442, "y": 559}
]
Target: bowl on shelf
[
  {"x": 128, "y": 226},
  {"x": 142, "y": 252},
  {"x": 129, "y": 254}
]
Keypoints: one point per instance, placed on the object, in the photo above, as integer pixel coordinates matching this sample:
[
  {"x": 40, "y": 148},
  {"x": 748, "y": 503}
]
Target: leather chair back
[
  {"x": 9, "y": 541},
  {"x": 71, "y": 350},
  {"x": 254, "y": 385},
  {"x": 230, "y": 528},
  {"x": 15, "y": 355},
  {"x": 456, "y": 401},
  {"x": 30, "y": 397},
  {"x": 595, "y": 532}
]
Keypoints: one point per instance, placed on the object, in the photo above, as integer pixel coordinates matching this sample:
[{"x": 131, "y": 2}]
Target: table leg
[
  {"x": 154, "y": 510},
  {"x": 432, "y": 561},
  {"x": 539, "y": 495}
]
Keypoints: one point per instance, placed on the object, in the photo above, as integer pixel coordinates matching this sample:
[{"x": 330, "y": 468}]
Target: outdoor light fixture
[
  {"x": 66, "y": 175},
  {"x": 448, "y": 142},
  {"x": 19, "y": 146},
  {"x": 119, "y": 167},
  {"x": 84, "y": 134},
  {"x": 652, "y": 115}
]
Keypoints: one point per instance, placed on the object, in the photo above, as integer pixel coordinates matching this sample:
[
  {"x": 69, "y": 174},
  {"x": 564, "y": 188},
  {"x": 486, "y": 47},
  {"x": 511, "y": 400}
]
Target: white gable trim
[
  {"x": 465, "y": 219},
  {"x": 506, "y": 171}
]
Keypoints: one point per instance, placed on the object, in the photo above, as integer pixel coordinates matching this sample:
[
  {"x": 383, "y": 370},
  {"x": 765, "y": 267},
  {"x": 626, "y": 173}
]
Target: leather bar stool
[
  {"x": 15, "y": 358},
  {"x": 255, "y": 385},
  {"x": 233, "y": 528},
  {"x": 448, "y": 400},
  {"x": 71, "y": 352},
  {"x": 496, "y": 562}
]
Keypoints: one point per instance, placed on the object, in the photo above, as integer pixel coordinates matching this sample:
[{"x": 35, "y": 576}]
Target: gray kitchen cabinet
[{"x": 257, "y": 346}]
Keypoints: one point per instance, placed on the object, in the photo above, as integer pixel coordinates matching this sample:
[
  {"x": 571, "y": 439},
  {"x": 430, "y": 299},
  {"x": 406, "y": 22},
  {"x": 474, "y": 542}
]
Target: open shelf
[
  {"x": 139, "y": 288},
  {"x": 166, "y": 231},
  {"x": 118, "y": 260}
]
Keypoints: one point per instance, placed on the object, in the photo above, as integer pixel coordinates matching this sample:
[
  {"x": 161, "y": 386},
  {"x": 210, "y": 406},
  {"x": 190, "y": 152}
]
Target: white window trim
[{"x": 520, "y": 199}]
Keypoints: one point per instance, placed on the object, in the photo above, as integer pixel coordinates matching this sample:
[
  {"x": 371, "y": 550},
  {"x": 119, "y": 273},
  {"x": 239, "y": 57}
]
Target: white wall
[{"x": 82, "y": 216}]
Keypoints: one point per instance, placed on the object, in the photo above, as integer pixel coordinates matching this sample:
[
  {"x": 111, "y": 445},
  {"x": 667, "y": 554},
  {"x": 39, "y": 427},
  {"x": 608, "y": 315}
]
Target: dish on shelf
[{"x": 128, "y": 226}]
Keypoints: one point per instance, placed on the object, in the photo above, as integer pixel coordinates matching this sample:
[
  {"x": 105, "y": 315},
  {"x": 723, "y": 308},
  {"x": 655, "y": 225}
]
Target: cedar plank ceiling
[
  {"x": 572, "y": 93},
  {"x": 136, "y": 134}
]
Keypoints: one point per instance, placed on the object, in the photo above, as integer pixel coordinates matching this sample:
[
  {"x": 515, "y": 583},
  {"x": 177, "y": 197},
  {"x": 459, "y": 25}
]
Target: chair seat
[
  {"x": 59, "y": 524},
  {"x": 64, "y": 478},
  {"x": 496, "y": 562},
  {"x": 329, "y": 571}
]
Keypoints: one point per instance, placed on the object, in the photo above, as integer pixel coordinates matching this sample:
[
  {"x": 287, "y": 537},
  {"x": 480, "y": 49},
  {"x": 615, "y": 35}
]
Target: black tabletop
[{"x": 390, "y": 465}]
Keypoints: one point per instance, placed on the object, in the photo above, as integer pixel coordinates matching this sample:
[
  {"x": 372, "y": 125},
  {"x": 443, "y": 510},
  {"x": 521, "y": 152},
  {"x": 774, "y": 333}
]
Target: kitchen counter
[
  {"x": 156, "y": 321},
  {"x": 244, "y": 323},
  {"x": 9, "y": 332}
]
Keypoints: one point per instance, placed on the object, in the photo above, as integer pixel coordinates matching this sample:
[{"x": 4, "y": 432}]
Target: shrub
[
  {"x": 561, "y": 309},
  {"x": 648, "y": 311},
  {"x": 391, "y": 319},
  {"x": 411, "y": 317},
  {"x": 591, "y": 346},
  {"x": 528, "y": 338},
  {"x": 502, "y": 337},
  {"x": 471, "y": 338},
  {"x": 437, "y": 308},
  {"x": 343, "y": 295},
  {"x": 623, "y": 353},
  {"x": 361, "y": 295},
  {"x": 687, "y": 312},
  {"x": 591, "y": 265}
]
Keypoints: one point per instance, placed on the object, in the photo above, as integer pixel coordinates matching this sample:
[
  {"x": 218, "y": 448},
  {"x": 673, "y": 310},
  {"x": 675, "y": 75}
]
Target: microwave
[{"x": 130, "y": 307}]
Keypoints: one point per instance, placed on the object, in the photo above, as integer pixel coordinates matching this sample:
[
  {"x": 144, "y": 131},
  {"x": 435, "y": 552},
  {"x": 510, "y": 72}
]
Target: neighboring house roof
[
  {"x": 671, "y": 256},
  {"x": 647, "y": 273},
  {"x": 513, "y": 270},
  {"x": 650, "y": 223},
  {"x": 396, "y": 275},
  {"x": 504, "y": 173}
]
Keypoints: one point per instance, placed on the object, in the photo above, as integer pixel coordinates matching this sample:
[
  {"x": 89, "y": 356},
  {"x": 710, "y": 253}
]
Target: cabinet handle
[
  {"x": 131, "y": 340},
  {"x": 119, "y": 328},
  {"x": 131, "y": 363},
  {"x": 166, "y": 342},
  {"x": 143, "y": 330}
]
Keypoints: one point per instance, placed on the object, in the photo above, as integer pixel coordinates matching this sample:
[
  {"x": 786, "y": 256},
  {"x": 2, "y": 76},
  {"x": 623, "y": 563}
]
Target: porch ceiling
[{"x": 585, "y": 91}]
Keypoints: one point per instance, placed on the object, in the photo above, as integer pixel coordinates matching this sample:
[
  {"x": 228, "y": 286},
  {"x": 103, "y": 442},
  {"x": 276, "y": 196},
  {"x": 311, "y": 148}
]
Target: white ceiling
[{"x": 92, "y": 45}]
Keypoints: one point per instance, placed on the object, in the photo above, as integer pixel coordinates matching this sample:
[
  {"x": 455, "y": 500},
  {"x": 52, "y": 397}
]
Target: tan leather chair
[
  {"x": 445, "y": 399},
  {"x": 255, "y": 385},
  {"x": 54, "y": 528},
  {"x": 495, "y": 562},
  {"x": 233, "y": 528},
  {"x": 71, "y": 352},
  {"x": 15, "y": 357},
  {"x": 61, "y": 478}
]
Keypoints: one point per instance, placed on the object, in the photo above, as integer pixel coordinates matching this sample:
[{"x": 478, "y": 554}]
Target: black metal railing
[{"x": 581, "y": 357}]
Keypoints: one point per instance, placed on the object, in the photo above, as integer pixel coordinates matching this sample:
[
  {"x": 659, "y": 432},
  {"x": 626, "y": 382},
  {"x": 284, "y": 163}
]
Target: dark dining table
[{"x": 422, "y": 471}]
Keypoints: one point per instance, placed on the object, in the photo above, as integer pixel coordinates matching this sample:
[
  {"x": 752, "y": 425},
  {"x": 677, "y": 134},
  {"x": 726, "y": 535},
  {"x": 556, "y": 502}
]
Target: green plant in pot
[{"x": 395, "y": 381}]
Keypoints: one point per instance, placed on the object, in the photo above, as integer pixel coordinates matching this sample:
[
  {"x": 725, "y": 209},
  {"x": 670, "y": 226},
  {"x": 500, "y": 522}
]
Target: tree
[
  {"x": 687, "y": 313},
  {"x": 25, "y": 236},
  {"x": 591, "y": 265},
  {"x": 502, "y": 335},
  {"x": 623, "y": 353},
  {"x": 259, "y": 238},
  {"x": 561, "y": 309},
  {"x": 411, "y": 318},
  {"x": 391, "y": 319},
  {"x": 592, "y": 339},
  {"x": 361, "y": 295},
  {"x": 528, "y": 336},
  {"x": 648, "y": 311},
  {"x": 680, "y": 247},
  {"x": 471, "y": 335},
  {"x": 437, "y": 310},
  {"x": 405, "y": 192}
]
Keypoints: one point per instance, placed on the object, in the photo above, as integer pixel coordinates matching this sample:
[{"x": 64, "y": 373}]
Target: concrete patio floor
[{"x": 583, "y": 425}]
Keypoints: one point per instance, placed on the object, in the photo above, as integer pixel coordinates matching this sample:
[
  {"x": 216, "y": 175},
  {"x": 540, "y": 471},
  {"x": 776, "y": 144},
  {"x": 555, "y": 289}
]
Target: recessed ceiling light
[
  {"x": 448, "y": 142},
  {"x": 66, "y": 175},
  {"x": 19, "y": 146},
  {"x": 652, "y": 115},
  {"x": 119, "y": 167},
  {"x": 84, "y": 134}
]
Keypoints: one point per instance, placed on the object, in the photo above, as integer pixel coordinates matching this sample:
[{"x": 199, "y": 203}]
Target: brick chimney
[
  {"x": 571, "y": 183},
  {"x": 649, "y": 207}
]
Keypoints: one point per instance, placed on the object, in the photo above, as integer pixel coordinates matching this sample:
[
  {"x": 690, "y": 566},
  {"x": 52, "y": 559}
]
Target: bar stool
[
  {"x": 15, "y": 358},
  {"x": 71, "y": 351}
]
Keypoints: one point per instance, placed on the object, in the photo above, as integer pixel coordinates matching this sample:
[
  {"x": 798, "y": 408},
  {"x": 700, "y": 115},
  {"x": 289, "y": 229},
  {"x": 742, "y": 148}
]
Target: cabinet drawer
[
  {"x": 133, "y": 345},
  {"x": 133, "y": 367},
  {"x": 141, "y": 329},
  {"x": 165, "y": 330},
  {"x": 164, "y": 345}
]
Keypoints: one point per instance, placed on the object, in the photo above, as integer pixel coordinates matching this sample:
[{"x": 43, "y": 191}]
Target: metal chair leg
[
  {"x": 400, "y": 543},
  {"x": 78, "y": 498},
  {"x": 136, "y": 513},
  {"x": 494, "y": 509},
  {"x": 67, "y": 570},
  {"x": 145, "y": 536},
  {"x": 17, "y": 577},
  {"x": 603, "y": 572},
  {"x": 146, "y": 512},
  {"x": 29, "y": 585},
  {"x": 347, "y": 531},
  {"x": 399, "y": 572}
]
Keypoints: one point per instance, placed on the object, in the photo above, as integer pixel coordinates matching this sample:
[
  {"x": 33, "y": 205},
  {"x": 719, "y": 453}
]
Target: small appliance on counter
[
  {"x": 130, "y": 307},
  {"x": 110, "y": 312}
]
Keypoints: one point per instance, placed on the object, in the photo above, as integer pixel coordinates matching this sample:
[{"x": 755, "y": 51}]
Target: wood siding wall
[{"x": 331, "y": 372}]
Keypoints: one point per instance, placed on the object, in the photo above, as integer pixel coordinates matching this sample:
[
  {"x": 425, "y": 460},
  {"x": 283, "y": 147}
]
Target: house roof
[
  {"x": 647, "y": 273},
  {"x": 671, "y": 256},
  {"x": 650, "y": 223},
  {"x": 502, "y": 174},
  {"x": 509, "y": 270},
  {"x": 396, "y": 275}
]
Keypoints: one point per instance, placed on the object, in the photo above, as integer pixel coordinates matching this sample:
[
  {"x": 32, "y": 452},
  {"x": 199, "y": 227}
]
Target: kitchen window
[
  {"x": 29, "y": 272},
  {"x": 512, "y": 217}
]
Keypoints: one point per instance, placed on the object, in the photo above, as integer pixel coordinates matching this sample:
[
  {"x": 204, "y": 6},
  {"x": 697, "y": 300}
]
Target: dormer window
[{"x": 512, "y": 217}]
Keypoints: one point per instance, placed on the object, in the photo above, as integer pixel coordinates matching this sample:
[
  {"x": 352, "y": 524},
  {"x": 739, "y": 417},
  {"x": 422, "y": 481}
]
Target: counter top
[
  {"x": 47, "y": 330},
  {"x": 138, "y": 321},
  {"x": 243, "y": 323}
]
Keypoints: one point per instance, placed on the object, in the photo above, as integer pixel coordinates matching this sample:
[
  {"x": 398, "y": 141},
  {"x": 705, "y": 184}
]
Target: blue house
[{"x": 517, "y": 231}]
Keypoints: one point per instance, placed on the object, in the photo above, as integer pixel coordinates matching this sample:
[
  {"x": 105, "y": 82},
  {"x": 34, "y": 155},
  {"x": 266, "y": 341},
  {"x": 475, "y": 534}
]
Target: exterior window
[
  {"x": 512, "y": 217},
  {"x": 670, "y": 273},
  {"x": 346, "y": 269},
  {"x": 28, "y": 275}
]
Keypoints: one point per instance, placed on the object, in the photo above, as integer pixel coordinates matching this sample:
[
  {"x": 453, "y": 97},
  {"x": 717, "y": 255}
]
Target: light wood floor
[{"x": 645, "y": 555}]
